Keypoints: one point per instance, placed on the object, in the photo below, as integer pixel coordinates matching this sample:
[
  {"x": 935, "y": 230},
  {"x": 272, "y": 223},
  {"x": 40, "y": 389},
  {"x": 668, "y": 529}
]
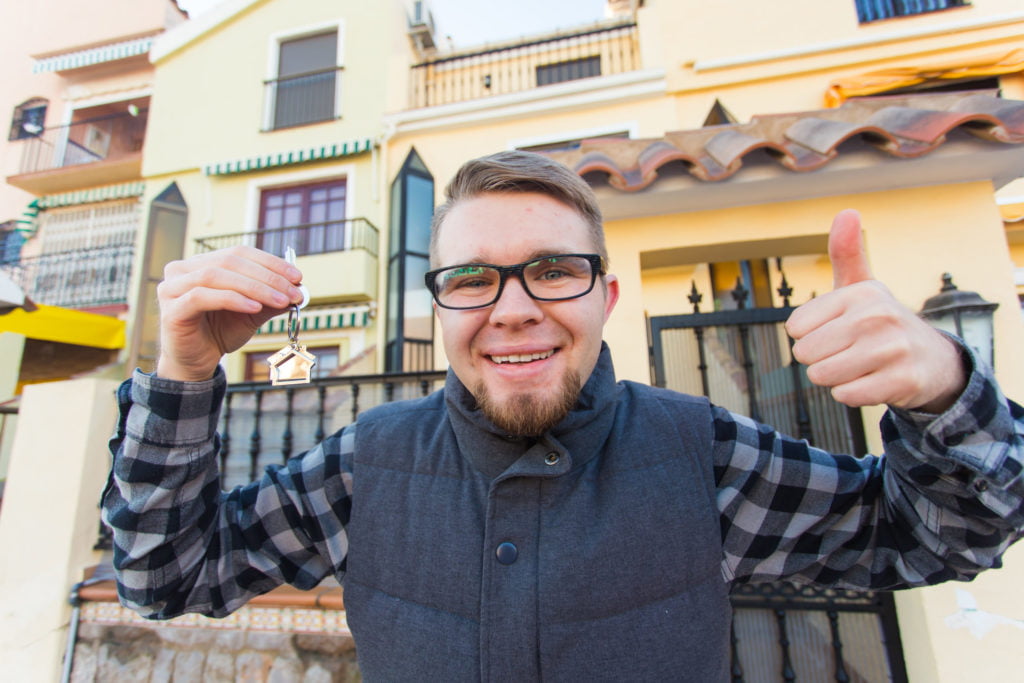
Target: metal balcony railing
[
  {"x": 75, "y": 279},
  {"x": 105, "y": 138},
  {"x": 303, "y": 98},
  {"x": 601, "y": 50},
  {"x": 263, "y": 424},
  {"x": 311, "y": 238}
]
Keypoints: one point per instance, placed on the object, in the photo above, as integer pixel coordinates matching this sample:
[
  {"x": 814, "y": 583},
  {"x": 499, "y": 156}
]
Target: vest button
[
  {"x": 507, "y": 553},
  {"x": 552, "y": 458}
]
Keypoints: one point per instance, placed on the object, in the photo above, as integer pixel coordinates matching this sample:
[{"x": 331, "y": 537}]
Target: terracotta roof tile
[{"x": 903, "y": 126}]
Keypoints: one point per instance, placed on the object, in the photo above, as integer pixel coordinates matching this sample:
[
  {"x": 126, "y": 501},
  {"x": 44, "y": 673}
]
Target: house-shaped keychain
[{"x": 291, "y": 365}]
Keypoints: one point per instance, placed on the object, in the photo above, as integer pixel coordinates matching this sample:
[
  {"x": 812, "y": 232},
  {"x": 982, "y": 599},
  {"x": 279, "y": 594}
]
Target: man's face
[{"x": 553, "y": 345}]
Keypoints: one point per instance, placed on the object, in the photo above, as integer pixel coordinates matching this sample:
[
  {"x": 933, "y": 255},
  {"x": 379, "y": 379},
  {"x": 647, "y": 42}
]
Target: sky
[{"x": 475, "y": 22}]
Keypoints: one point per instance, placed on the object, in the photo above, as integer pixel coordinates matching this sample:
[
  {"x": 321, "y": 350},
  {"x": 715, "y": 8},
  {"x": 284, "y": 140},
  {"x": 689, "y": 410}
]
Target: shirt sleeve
[
  {"x": 944, "y": 502},
  {"x": 183, "y": 545}
]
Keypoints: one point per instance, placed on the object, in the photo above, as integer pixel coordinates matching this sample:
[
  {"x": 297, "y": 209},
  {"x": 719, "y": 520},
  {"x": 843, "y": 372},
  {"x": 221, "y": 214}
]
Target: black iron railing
[
  {"x": 75, "y": 279},
  {"x": 85, "y": 142},
  {"x": 263, "y": 424},
  {"x": 303, "y": 98},
  {"x": 312, "y": 238},
  {"x": 601, "y": 50},
  {"x": 787, "y": 632}
]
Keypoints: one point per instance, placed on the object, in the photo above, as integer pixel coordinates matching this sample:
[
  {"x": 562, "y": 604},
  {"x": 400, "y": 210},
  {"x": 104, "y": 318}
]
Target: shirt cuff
[
  {"x": 974, "y": 433},
  {"x": 169, "y": 413}
]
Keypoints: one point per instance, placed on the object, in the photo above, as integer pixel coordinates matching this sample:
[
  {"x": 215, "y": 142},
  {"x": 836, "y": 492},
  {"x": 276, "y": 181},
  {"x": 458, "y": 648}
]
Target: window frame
[
  {"x": 256, "y": 187},
  {"x": 18, "y": 131},
  {"x": 275, "y": 41}
]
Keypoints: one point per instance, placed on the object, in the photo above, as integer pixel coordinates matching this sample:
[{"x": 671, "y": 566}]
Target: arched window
[{"x": 29, "y": 119}]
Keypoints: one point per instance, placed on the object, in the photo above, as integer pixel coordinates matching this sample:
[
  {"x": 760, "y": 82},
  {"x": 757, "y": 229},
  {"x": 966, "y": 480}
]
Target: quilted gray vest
[{"x": 591, "y": 554}]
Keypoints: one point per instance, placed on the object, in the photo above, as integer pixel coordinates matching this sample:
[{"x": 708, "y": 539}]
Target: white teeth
[{"x": 523, "y": 357}]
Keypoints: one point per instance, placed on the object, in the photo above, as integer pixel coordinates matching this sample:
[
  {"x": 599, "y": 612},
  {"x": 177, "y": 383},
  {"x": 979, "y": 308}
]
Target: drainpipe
[
  {"x": 76, "y": 610},
  {"x": 104, "y": 571}
]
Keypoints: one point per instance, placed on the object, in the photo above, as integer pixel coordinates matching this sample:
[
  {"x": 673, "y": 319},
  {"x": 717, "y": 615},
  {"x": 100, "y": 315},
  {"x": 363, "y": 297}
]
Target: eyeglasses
[{"x": 551, "y": 278}]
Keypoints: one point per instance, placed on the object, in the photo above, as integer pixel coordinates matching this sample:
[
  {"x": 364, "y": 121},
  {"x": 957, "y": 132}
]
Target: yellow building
[{"x": 719, "y": 150}]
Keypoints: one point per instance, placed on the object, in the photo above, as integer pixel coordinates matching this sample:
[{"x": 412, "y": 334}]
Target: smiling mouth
[{"x": 523, "y": 357}]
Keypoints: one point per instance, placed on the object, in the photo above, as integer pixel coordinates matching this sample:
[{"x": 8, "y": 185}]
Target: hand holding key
[
  {"x": 869, "y": 348},
  {"x": 212, "y": 303}
]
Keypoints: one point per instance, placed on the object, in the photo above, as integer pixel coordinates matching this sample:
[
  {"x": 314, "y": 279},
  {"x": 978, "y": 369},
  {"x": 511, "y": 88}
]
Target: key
[
  {"x": 293, "y": 364},
  {"x": 289, "y": 256}
]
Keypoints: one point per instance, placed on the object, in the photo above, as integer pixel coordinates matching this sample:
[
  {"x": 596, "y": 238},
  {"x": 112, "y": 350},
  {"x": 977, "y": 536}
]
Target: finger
[
  {"x": 846, "y": 250},
  {"x": 247, "y": 284},
  {"x": 241, "y": 258}
]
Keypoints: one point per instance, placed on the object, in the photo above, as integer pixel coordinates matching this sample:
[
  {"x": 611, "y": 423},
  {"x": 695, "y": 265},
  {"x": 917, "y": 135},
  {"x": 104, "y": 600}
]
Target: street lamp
[{"x": 964, "y": 314}]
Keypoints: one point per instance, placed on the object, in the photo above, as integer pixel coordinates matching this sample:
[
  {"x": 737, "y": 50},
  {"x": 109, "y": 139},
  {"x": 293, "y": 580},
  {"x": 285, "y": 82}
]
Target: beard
[{"x": 529, "y": 414}]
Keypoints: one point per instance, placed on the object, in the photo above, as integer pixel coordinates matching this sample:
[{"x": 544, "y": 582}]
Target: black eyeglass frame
[{"x": 597, "y": 267}]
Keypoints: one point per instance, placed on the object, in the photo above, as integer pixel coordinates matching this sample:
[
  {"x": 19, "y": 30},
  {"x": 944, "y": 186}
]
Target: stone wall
[{"x": 121, "y": 653}]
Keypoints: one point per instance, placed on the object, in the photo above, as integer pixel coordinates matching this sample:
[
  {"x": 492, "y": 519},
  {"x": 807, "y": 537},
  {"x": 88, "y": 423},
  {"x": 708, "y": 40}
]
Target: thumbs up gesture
[{"x": 869, "y": 348}]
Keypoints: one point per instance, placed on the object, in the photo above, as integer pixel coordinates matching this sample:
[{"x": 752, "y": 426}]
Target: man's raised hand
[
  {"x": 869, "y": 348},
  {"x": 211, "y": 304}
]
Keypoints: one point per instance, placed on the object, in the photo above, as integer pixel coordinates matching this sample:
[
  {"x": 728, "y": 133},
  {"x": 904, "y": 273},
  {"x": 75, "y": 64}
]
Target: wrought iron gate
[{"x": 742, "y": 360}]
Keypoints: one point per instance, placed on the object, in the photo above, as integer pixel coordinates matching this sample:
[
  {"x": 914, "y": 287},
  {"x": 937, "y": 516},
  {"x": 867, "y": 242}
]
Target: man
[{"x": 535, "y": 519}]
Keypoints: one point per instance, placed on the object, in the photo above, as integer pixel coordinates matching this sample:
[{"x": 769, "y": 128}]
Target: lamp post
[{"x": 964, "y": 314}]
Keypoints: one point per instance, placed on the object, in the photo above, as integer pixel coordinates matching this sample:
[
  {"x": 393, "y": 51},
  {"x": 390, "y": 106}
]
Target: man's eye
[
  {"x": 469, "y": 283},
  {"x": 553, "y": 274}
]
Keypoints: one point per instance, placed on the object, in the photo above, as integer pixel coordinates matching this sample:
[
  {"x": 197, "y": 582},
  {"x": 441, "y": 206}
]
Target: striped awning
[
  {"x": 96, "y": 55},
  {"x": 297, "y": 156},
  {"x": 320, "y": 318},
  {"x": 29, "y": 217},
  {"x": 93, "y": 195}
]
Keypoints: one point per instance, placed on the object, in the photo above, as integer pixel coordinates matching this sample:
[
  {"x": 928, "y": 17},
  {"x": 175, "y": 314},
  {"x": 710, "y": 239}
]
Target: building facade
[{"x": 719, "y": 151}]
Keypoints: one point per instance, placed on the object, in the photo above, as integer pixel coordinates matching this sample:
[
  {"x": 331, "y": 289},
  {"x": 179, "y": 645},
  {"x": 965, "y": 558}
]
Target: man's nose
[{"x": 515, "y": 306}]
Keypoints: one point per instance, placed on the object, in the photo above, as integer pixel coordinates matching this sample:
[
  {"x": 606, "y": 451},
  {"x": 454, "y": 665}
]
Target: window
[
  {"x": 873, "y": 10},
  {"x": 29, "y": 119},
  {"x": 571, "y": 70},
  {"x": 305, "y": 90},
  {"x": 410, "y": 319},
  {"x": 308, "y": 218},
  {"x": 257, "y": 369},
  {"x": 10, "y": 242}
]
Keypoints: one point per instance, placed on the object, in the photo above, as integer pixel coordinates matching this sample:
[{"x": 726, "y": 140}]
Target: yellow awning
[
  {"x": 887, "y": 80},
  {"x": 50, "y": 323}
]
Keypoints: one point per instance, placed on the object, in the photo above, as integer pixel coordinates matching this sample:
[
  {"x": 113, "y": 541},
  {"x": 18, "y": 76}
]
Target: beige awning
[{"x": 887, "y": 80}]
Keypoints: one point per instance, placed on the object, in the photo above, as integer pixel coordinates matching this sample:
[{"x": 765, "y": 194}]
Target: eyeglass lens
[{"x": 553, "y": 278}]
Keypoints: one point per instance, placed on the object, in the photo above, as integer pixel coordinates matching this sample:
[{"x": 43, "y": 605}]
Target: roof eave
[{"x": 853, "y": 172}]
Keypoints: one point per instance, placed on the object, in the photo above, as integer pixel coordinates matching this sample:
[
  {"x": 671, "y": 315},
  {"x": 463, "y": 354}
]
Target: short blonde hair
[{"x": 518, "y": 171}]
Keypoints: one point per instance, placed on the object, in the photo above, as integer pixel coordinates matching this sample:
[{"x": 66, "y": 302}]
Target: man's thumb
[{"x": 846, "y": 250}]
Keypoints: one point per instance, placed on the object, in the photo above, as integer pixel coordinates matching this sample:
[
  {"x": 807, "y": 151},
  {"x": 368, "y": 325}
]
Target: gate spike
[{"x": 695, "y": 296}]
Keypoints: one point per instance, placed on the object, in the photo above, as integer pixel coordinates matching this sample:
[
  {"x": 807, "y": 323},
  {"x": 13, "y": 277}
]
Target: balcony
[
  {"x": 88, "y": 278},
  {"x": 302, "y": 99},
  {"x": 97, "y": 151},
  {"x": 338, "y": 259},
  {"x": 599, "y": 51}
]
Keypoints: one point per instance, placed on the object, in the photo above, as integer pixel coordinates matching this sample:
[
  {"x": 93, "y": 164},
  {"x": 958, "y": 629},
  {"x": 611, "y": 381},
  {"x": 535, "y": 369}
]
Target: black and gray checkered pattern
[{"x": 943, "y": 503}]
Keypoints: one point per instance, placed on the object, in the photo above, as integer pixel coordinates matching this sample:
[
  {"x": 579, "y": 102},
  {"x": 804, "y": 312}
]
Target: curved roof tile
[{"x": 900, "y": 126}]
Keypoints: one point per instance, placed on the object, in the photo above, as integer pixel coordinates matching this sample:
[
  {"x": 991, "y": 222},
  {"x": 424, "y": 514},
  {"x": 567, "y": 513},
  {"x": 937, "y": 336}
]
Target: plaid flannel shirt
[{"x": 944, "y": 502}]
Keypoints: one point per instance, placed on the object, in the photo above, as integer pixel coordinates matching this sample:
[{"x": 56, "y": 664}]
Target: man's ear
[{"x": 611, "y": 294}]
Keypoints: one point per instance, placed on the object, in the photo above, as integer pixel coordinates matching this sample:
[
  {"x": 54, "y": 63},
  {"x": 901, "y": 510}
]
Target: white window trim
[
  {"x": 254, "y": 189},
  {"x": 274, "y": 58},
  {"x": 631, "y": 127}
]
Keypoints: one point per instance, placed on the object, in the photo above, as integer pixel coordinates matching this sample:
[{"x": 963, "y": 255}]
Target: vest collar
[{"x": 572, "y": 442}]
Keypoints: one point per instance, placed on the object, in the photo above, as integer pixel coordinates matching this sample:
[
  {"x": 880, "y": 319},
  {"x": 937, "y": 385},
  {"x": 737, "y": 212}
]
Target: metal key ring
[{"x": 293, "y": 324}]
